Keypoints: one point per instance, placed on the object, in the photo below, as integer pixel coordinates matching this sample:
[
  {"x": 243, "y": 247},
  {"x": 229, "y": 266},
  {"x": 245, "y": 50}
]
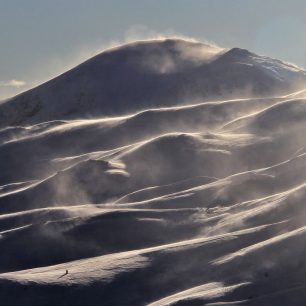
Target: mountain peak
[
  {"x": 151, "y": 73},
  {"x": 160, "y": 52}
]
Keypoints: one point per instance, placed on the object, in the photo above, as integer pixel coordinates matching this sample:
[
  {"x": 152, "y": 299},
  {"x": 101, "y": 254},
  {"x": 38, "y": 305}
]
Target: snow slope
[
  {"x": 178, "y": 177},
  {"x": 149, "y": 74}
]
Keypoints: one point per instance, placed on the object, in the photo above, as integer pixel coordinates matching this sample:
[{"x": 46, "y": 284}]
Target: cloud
[{"x": 13, "y": 83}]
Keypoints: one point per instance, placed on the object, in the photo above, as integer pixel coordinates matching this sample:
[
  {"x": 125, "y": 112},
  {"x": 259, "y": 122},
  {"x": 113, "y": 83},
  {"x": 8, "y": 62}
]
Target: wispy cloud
[{"x": 13, "y": 83}]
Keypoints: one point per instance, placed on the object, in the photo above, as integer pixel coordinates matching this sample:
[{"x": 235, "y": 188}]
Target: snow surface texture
[{"x": 162, "y": 172}]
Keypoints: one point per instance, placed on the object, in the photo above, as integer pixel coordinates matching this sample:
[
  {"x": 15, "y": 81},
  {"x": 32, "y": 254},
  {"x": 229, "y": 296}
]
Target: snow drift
[{"x": 163, "y": 172}]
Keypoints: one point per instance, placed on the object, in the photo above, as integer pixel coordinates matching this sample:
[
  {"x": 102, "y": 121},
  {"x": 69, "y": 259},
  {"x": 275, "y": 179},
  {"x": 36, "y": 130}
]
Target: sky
[{"x": 40, "y": 39}]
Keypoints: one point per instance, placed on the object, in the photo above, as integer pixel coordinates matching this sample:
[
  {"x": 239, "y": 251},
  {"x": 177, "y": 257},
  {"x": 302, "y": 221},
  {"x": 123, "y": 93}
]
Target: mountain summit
[{"x": 152, "y": 74}]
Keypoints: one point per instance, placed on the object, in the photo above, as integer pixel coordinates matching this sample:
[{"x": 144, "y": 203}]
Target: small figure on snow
[{"x": 64, "y": 274}]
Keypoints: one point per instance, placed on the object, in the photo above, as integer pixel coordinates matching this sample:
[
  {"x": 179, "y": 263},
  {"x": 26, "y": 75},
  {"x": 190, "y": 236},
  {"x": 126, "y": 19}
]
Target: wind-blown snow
[{"x": 163, "y": 172}]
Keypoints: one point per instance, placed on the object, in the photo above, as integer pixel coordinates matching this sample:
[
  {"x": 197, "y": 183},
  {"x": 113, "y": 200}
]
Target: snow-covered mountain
[
  {"x": 151, "y": 74},
  {"x": 158, "y": 173}
]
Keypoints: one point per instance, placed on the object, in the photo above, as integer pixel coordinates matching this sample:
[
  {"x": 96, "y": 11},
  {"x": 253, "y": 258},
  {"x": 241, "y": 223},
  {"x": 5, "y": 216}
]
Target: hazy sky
[{"x": 42, "y": 38}]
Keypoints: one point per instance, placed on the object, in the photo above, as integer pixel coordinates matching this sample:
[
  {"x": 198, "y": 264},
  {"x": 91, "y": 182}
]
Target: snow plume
[
  {"x": 165, "y": 59},
  {"x": 87, "y": 180},
  {"x": 134, "y": 33}
]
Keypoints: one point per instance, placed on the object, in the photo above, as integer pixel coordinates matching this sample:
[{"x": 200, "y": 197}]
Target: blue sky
[{"x": 42, "y": 38}]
